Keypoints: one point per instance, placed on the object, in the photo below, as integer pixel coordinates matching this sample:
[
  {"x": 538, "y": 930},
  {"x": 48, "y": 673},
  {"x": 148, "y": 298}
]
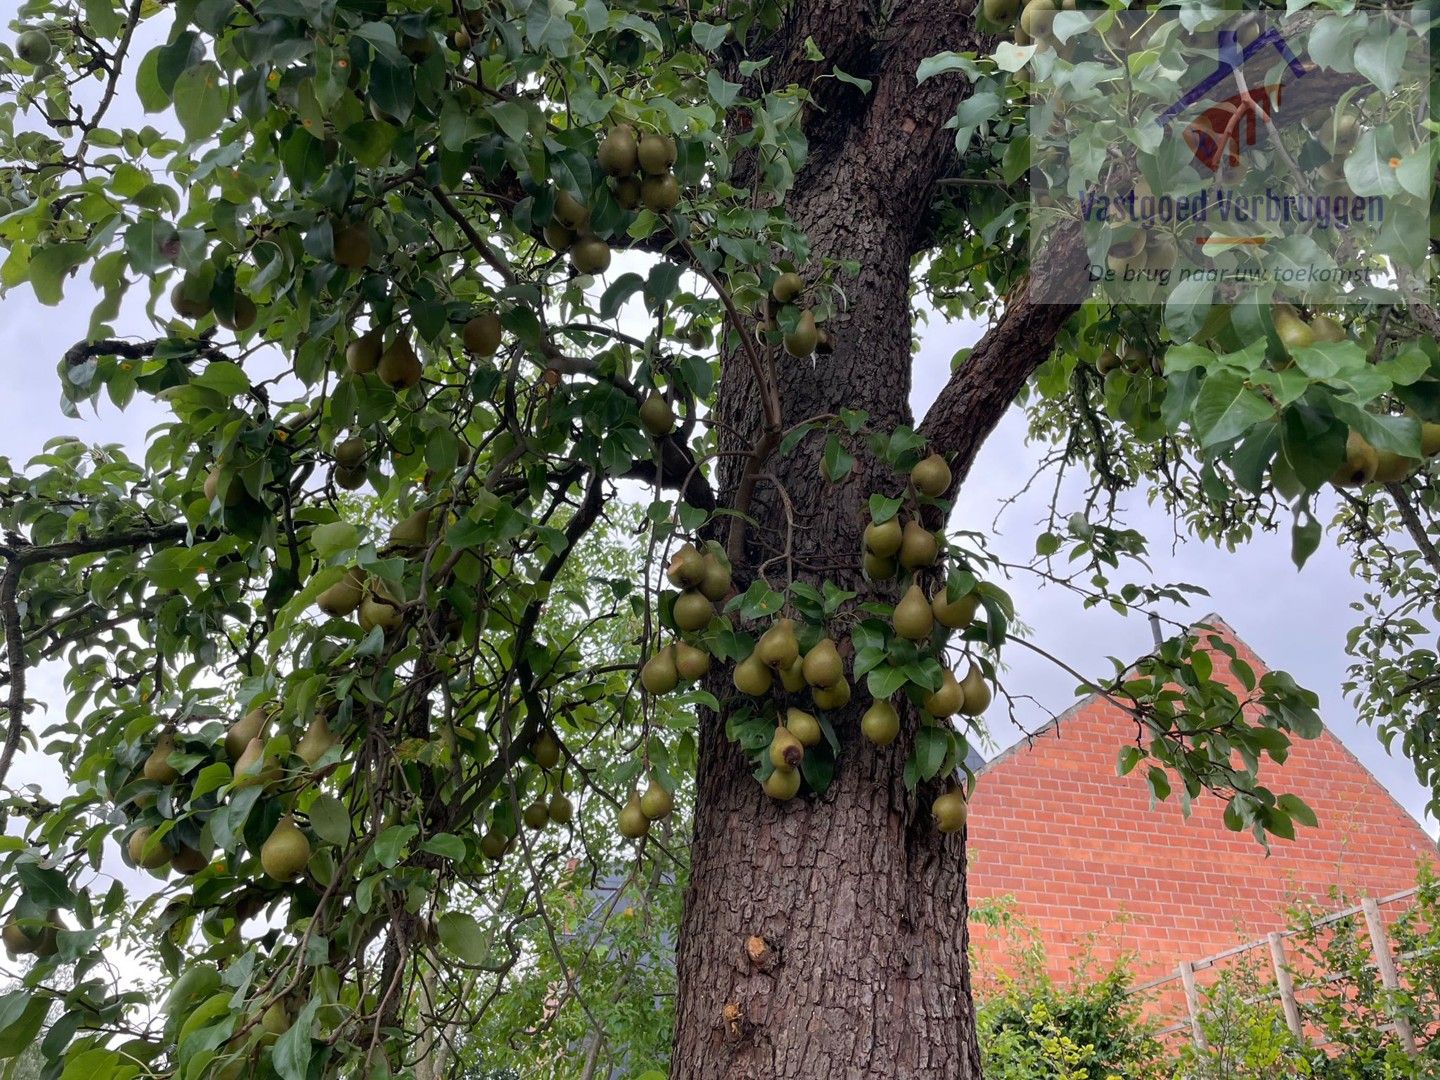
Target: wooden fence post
[
  {"x": 1192, "y": 1003},
  {"x": 1285, "y": 985},
  {"x": 1385, "y": 964}
]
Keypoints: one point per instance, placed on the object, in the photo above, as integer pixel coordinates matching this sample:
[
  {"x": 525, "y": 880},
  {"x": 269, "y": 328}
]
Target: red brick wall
[{"x": 1091, "y": 865}]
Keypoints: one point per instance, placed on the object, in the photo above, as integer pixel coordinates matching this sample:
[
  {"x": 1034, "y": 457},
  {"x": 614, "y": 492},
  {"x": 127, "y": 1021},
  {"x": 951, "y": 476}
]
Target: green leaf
[
  {"x": 941, "y": 63},
  {"x": 462, "y": 935},
  {"x": 931, "y": 746},
  {"x": 1304, "y": 538},
  {"x": 882, "y": 508},
  {"x": 1159, "y": 782},
  {"x": 293, "y": 1050},
  {"x": 882, "y": 682},
  {"x": 330, "y": 819},
  {"x": 1226, "y": 408},
  {"x": 1297, "y": 809},
  {"x": 391, "y": 844},
  {"x": 202, "y": 98},
  {"x": 21, "y": 1015},
  {"x": 709, "y": 36},
  {"x": 446, "y": 845},
  {"x": 1129, "y": 757},
  {"x": 49, "y": 267},
  {"x": 44, "y": 886}
]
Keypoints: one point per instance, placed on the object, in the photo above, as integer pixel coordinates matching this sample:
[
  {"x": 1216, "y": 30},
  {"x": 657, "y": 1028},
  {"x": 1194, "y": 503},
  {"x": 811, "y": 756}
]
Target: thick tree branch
[{"x": 977, "y": 395}]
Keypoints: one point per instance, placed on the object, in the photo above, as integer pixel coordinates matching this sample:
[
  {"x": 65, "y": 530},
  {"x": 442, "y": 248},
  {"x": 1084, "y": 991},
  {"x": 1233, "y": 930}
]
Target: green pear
[
  {"x": 782, "y": 785},
  {"x": 787, "y": 287},
  {"x": 1291, "y": 329},
  {"x": 660, "y": 194},
  {"x": 691, "y": 663},
  {"x": 801, "y": 341},
  {"x": 656, "y": 803},
  {"x": 950, "y": 811},
  {"x": 977, "y": 692},
  {"x": 1391, "y": 468},
  {"x": 693, "y": 611},
  {"x": 362, "y": 355},
  {"x": 633, "y": 823},
  {"x": 949, "y": 699},
  {"x": 777, "y": 647},
  {"x": 918, "y": 547},
  {"x": 285, "y": 852},
  {"x": 618, "y": 154},
  {"x": 752, "y": 677},
  {"x": 687, "y": 567},
  {"x": 399, "y": 368},
  {"x": 1361, "y": 461},
  {"x": 318, "y": 739},
  {"x": 913, "y": 618},
  {"x": 481, "y": 335},
  {"x": 250, "y": 726},
  {"x": 931, "y": 476},
  {"x": 656, "y": 415},
  {"x": 590, "y": 255},
  {"x": 803, "y": 726},
  {"x": 659, "y": 675},
  {"x": 883, "y": 538},
  {"x": 830, "y": 698},
  {"x": 344, "y": 596},
  {"x": 786, "y": 751},
  {"x": 715, "y": 583},
  {"x": 792, "y": 676},
  {"x": 1429, "y": 439},
  {"x": 545, "y": 749},
  {"x": 157, "y": 766},
  {"x": 881, "y": 723},
  {"x": 655, "y": 153},
  {"x": 145, "y": 851},
  {"x": 352, "y": 246},
  {"x": 878, "y": 568},
  {"x": 822, "y": 665},
  {"x": 955, "y": 614}
]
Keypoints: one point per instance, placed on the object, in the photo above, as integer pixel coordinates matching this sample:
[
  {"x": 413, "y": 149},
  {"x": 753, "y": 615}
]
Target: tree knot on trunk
[
  {"x": 759, "y": 953},
  {"x": 736, "y": 1026}
]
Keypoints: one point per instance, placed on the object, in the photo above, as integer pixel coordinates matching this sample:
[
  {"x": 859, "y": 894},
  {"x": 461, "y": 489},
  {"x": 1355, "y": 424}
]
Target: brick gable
[{"x": 1091, "y": 864}]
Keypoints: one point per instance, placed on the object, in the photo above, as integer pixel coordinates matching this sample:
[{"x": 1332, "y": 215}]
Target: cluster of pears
[
  {"x": 1133, "y": 358},
  {"x": 551, "y": 805},
  {"x": 31, "y": 936},
  {"x": 372, "y": 600},
  {"x": 286, "y": 851},
  {"x": 192, "y": 298},
  {"x": 888, "y": 546},
  {"x": 1034, "y": 20},
  {"x": 640, "y": 810},
  {"x": 1143, "y": 255},
  {"x": 641, "y": 169},
  {"x": 703, "y": 580},
  {"x": 805, "y": 337},
  {"x": 397, "y": 364},
  {"x": 1364, "y": 464}
]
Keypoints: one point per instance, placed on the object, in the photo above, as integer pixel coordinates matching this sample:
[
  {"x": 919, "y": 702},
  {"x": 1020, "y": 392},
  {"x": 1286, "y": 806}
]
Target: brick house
[{"x": 1091, "y": 866}]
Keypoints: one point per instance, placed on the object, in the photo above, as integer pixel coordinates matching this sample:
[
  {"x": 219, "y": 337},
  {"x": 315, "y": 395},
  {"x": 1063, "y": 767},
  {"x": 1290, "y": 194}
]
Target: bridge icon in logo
[{"x": 1215, "y": 136}]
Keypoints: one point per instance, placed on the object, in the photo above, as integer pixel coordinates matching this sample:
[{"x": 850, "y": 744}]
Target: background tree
[{"x": 376, "y": 244}]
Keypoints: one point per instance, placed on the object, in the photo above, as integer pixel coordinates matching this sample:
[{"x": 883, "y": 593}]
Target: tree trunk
[{"x": 826, "y": 936}]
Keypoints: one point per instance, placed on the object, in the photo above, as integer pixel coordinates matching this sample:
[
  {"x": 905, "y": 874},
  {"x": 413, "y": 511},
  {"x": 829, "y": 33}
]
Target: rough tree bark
[{"x": 827, "y": 937}]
